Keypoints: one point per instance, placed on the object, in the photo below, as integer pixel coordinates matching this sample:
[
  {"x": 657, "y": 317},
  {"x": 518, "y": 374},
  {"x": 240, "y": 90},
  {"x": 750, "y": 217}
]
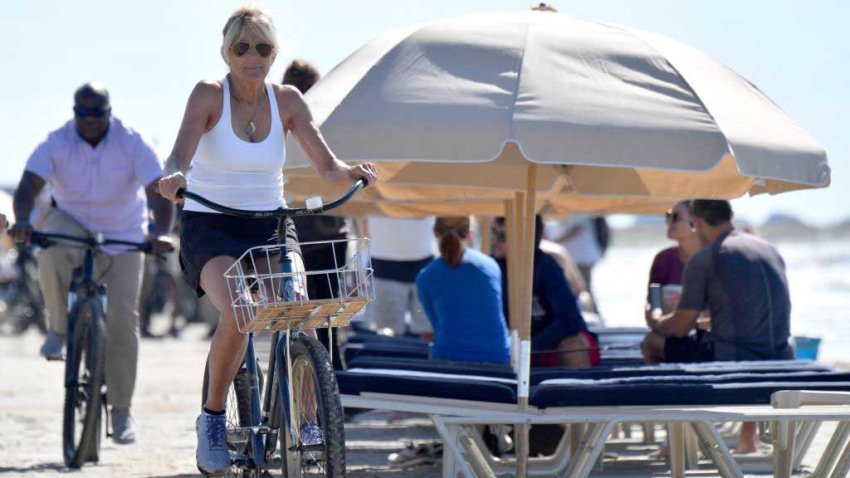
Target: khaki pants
[{"x": 122, "y": 276}]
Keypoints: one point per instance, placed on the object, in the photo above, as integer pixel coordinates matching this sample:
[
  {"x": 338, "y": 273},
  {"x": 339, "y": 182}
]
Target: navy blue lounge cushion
[
  {"x": 783, "y": 377},
  {"x": 426, "y": 384},
  {"x": 367, "y": 338},
  {"x": 385, "y": 349},
  {"x": 438, "y": 366},
  {"x": 541, "y": 374},
  {"x": 734, "y": 389}
]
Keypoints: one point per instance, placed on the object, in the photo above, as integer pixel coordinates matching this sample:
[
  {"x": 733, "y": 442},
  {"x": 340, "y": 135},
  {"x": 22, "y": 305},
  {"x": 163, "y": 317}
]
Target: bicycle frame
[
  {"x": 89, "y": 288},
  {"x": 263, "y": 423}
]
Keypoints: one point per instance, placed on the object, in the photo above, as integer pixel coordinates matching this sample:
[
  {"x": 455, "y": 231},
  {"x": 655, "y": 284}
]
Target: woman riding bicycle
[{"x": 232, "y": 135}]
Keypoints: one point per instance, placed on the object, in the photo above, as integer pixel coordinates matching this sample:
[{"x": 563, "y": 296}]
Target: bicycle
[
  {"x": 85, "y": 390},
  {"x": 24, "y": 306},
  {"x": 302, "y": 385}
]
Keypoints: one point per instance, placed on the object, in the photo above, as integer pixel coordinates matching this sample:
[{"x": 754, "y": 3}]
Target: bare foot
[
  {"x": 747, "y": 442},
  {"x": 745, "y": 448}
]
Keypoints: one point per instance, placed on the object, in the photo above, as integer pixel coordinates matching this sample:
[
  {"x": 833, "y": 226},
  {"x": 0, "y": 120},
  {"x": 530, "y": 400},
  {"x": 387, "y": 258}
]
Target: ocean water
[{"x": 818, "y": 277}]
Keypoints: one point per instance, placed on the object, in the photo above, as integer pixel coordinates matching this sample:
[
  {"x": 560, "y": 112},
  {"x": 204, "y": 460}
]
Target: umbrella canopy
[{"x": 647, "y": 114}]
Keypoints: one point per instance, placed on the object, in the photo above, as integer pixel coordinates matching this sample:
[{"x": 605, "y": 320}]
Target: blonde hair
[{"x": 247, "y": 17}]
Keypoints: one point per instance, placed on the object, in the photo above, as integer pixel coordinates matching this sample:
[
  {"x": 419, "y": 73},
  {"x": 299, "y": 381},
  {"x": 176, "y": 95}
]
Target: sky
[{"x": 150, "y": 54}]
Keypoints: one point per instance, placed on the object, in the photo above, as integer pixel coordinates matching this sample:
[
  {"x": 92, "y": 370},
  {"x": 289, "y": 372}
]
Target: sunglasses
[
  {"x": 96, "y": 112},
  {"x": 262, "y": 49},
  {"x": 671, "y": 217}
]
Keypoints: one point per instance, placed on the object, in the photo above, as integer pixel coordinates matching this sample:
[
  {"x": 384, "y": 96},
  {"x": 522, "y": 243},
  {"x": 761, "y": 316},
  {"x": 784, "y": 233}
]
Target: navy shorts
[
  {"x": 205, "y": 235},
  {"x": 688, "y": 349}
]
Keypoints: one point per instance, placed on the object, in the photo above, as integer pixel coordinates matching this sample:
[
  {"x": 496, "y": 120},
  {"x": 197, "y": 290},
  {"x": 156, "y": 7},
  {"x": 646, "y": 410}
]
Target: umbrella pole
[
  {"x": 513, "y": 239},
  {"x": 527, "y": 213}
]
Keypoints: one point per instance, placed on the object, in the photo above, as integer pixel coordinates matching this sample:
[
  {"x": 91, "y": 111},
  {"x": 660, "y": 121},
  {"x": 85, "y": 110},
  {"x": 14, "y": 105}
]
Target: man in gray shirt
[{"x": 741, "y": 280}]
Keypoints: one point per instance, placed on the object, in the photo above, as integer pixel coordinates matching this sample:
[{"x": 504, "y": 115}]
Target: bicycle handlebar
[
  {"x": 281, "y": 211},
  {"x": 46, "y": 239}
]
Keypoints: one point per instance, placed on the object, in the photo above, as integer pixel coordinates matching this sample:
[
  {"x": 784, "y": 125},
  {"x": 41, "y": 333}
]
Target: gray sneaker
[
  {"x": 212, "y": 455},
  {"x": 311, "y": 434},
  {"x": 123, "y": 427},
  {"x": 53, "y": 346}
]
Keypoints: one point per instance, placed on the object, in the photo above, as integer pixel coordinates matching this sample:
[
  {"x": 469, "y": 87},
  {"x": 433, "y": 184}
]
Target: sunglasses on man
[
  {"x": 241, "y": 48},
  {"x": 96, "y": 112}
]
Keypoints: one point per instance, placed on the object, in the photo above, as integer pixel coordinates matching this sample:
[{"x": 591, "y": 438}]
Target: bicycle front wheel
[
  {"x": 81, "y": 424},
  {"x": 315, "y": 403}
]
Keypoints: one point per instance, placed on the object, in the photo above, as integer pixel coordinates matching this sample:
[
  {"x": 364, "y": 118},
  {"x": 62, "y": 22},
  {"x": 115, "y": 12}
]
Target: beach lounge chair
[{"x": 457, "y": 401}]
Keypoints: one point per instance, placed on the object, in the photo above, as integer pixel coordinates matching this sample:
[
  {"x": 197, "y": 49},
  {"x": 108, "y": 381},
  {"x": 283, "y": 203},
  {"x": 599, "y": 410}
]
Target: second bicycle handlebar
[
  {"x": 281, "y": 211},
  {"x": 46, "y": 239}
]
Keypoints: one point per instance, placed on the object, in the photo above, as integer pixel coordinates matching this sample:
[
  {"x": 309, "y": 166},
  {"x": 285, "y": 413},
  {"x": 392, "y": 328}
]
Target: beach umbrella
[
  {"x": 539, "y": 103},
  {"x": 586, "y": 99}
]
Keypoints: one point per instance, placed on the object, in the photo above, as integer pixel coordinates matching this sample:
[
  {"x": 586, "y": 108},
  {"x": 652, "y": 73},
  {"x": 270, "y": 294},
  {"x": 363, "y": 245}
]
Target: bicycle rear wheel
[
  {"x": 315, "y": 397},
  {"x": 81, "y": 421}
]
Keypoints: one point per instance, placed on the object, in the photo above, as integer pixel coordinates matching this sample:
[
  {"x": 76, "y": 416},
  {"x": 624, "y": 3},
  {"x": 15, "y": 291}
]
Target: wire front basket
[{"x": 258, "y": 287}]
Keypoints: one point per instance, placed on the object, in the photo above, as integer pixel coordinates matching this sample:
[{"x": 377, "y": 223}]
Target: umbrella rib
[{"x": 512, "y": 112}]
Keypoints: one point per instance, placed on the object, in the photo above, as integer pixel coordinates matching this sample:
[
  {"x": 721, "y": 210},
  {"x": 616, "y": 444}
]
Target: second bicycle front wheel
[
  {"x": 316, "y": 408},
  {"x": 83, "y": 378}
]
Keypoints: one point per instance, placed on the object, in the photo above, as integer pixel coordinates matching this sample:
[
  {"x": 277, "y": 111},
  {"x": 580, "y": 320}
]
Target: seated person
[
  {"x": 559, "y": 335},
  {"x": 571, "y": 271},
  {"x": 669, "y": 264},
  {"x": 461, "y": 294},
  {"x": 741, "y": 280}
]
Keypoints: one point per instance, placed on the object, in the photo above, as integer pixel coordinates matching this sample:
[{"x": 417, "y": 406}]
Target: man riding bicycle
[{"x": 99, "y": 169}]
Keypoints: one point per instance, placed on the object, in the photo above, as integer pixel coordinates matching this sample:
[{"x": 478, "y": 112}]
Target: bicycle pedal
[{"x": 55, "y": 358}]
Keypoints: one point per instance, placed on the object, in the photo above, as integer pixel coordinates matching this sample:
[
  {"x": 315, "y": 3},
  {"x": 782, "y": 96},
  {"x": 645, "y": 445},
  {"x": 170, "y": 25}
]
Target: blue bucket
[{"x": 806, "y": 348}]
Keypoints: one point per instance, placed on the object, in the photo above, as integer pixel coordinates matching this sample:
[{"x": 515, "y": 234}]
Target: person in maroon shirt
[{"x": 668, "y": 264}]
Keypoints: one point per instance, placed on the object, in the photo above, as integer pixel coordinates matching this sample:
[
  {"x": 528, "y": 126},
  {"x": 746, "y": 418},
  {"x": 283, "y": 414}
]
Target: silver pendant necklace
[{"x": 251, "y": 128}]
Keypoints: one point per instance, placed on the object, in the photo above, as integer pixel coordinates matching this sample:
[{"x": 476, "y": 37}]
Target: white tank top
[{"x": 235, "y": 173}]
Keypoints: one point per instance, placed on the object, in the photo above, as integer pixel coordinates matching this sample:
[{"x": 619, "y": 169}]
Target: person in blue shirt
[
  {"x": 559, "y": 335},
  {"x": 461, "y": 293}
]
